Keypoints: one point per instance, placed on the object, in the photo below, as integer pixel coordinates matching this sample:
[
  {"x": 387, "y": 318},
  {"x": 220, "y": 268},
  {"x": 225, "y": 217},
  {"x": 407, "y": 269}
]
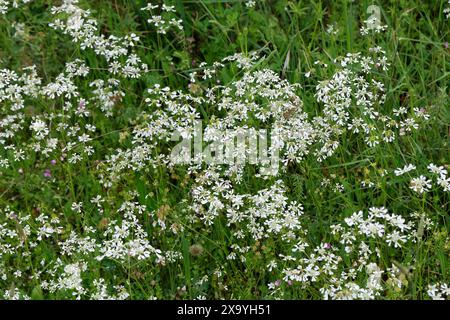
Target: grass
[{"x": 292, "y": 35}]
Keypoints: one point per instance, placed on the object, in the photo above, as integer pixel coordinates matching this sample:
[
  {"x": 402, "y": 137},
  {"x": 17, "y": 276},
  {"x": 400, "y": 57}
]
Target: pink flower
[{"x": 47, "y": 173}]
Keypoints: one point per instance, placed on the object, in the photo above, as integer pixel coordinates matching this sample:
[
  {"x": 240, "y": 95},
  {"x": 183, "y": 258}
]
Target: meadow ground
[{"x": 353, "y": 95}]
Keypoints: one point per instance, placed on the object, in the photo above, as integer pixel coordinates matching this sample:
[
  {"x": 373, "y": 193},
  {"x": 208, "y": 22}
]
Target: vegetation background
[{"x": 293, "y": 36}]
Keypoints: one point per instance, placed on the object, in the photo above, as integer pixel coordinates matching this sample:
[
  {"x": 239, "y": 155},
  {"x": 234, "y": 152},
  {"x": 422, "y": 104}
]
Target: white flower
[
  {"x": 441, "y": 171},
  {"x": 40, "y": 129},
  {"x": 444, "y": 182},
  {"x": 438, "y": 291},
  {"x": 420, "y": 184},
  {"x": 406, "y": 168},
  {"x": 77, "y": 207},
  {"x": 395, "y": 238}
]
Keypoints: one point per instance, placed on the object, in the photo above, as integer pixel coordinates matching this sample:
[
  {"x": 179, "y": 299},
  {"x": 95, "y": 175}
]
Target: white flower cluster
[
  {"x": 128, "y": 238},
  {"x": 259, "y": 96},
  {"x": 438, "y": 291},
  {"x": 166, "y": 20},
  {"x": 6, "y": 4},
  {"x": 422, "y": 183},
  {"x": 265, "y": 214},
  {"x": 353, "y": 101},
  {"x": 15, "y": 89},
  {"x": 324, "y": 265},
  {"x": 122, "y": 240},
  {"x": 78, "y": 24},
  {"x": 372, "y": 25},
  {"x": 374, "y": 226}
]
